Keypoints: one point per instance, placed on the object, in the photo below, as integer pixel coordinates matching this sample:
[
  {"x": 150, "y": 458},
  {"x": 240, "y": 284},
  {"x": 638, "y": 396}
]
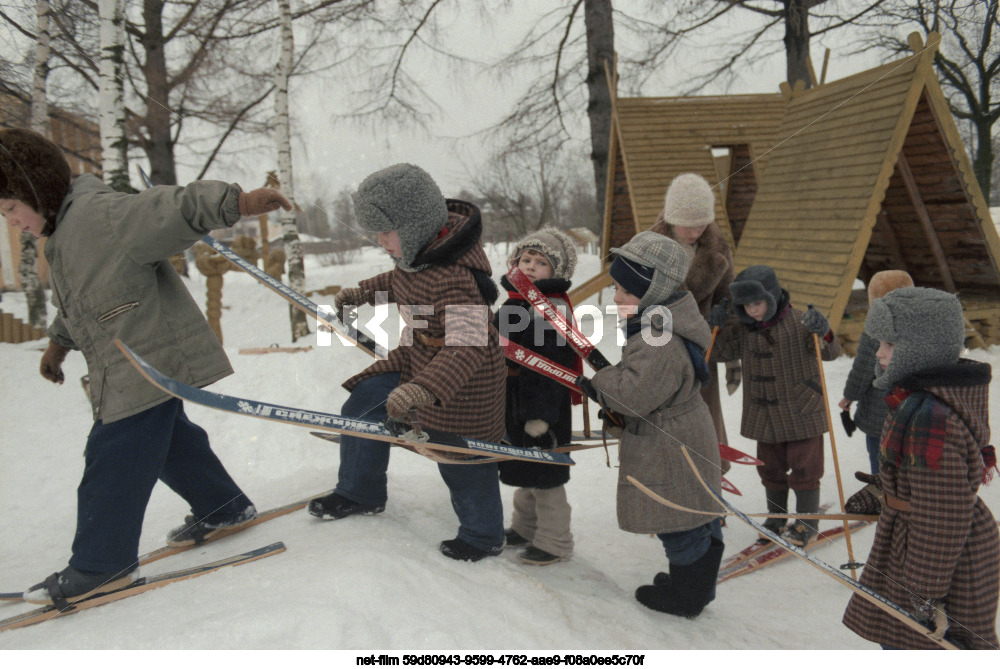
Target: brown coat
[
  {"x": 655, "y": 388},
  {"x": 467, "y": 375},
  {"x": 946, "y": 547},
  {"x": 708, "y": 279},
  {"x": 782, "y": 389}
]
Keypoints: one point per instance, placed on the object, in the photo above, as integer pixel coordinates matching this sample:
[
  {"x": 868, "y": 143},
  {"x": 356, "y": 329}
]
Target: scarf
[{"x": 916, "y": 432}]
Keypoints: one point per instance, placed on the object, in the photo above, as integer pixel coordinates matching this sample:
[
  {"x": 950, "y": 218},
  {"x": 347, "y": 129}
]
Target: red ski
[{"x": 576, "y": 339}]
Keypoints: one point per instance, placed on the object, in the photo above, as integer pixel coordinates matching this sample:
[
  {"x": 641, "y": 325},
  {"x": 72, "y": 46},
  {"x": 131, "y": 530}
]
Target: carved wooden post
[
  {"x": 213, "y": 266},
  {"x": 246, "y": 248}
]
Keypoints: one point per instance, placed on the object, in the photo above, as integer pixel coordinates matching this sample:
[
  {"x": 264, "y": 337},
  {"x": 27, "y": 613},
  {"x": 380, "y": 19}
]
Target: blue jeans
[
  {"x": 687, "y": 547},
  {"x": 872, "y": 443},
  {"x": 122, "y": 463},
  {"x": 475, "y": 489}
]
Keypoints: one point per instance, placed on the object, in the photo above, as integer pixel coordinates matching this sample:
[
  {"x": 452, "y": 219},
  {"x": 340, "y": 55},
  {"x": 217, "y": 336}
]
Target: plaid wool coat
[
  {"x": 446, "y": 301},
  {"x": 946, "y": 547},
  {"x": 871, "y": 410},
  {"x": 782, "y": 389}
]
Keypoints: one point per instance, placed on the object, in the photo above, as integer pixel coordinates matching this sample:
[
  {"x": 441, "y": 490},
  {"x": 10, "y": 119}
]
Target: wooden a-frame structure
[
  {"x": 723, "y": 138},
  {"x": 871, "y": 174}
]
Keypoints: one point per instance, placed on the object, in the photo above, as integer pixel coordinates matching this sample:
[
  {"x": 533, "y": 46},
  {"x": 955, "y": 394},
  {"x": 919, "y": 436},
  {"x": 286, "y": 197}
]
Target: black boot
[
  {"x": 690, "y": 587},
  {"x": 777, "y": 502},
  {"x": 801, "y": 532},
  {"x": 335, "y": 507}
]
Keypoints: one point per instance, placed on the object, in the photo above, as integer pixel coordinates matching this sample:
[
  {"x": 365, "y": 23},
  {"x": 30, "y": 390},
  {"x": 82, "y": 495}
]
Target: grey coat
[
  {"x": 111, "y": 280},
  {"x": 871, "y": 411},
  {"x": 655, "y": 388}
]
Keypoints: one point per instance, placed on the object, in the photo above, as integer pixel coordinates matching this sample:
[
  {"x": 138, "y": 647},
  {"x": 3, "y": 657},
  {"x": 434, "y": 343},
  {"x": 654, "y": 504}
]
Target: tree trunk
[
  {"x": 289, "y": 234},
  {"x": 34, "y": 295},
  {"x": 114, "y": 145},
  {"x": 161, "y": 147},
  {"x": 982, "y": 165},
  {"x": 797, "y": 42},
  {"x": 600, "y": 59}
]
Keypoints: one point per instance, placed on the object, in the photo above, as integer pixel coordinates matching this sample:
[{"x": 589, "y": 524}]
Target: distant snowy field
[{"x": 379, "y": 583}]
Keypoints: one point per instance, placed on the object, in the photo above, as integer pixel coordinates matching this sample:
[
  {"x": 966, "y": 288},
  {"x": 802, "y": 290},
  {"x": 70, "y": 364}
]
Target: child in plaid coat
[{"x": 936, "y": 550}]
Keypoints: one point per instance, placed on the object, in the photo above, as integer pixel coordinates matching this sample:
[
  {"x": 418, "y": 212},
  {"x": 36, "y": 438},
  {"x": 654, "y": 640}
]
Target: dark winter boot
[
  {"x": 456, "y": 549},
  {"x": 777, "y": 502},
  {"x": 71, "y": 585},
  {"x": 515, "y": 540},
  {"x": 195, "y": 531},
  {"x": 690, "y": 587},
  {"x": 335, "y": 507},
  {"x": 801, "y": 532},
  {"x": 536, "y": 556}
]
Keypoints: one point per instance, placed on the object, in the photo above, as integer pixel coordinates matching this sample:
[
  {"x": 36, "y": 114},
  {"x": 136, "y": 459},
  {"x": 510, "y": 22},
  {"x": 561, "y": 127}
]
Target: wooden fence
[{"x": 13, "y": 331}]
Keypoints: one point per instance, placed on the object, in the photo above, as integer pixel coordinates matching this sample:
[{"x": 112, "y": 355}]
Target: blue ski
[{"x": 425, "y": 440}]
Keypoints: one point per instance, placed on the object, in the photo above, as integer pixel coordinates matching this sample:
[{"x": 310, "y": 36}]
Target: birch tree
[
  {"x": 114, "y": 141},
  {"x": 289, "y": 233},
  {"x": 30, "y": 283}
]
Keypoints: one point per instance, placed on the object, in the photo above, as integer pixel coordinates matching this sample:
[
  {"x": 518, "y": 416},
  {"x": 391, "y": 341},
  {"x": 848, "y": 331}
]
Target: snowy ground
[{"x": 379, "y": 583}]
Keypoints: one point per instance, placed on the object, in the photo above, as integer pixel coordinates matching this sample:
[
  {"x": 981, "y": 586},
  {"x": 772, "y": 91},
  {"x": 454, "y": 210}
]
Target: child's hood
[
  {"x": 964, "y": 387},
  {"x": 685, "y": 319}
]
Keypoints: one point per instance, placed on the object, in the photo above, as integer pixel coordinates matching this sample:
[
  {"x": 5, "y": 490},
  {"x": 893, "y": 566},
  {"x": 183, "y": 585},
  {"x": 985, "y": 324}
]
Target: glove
[
  {"x": 261, "y": 201},
  {"x": 351, "y": 296},
  {"x": 718, "y": 314},
  {"x": 734, "y": 374},
  {"x": 587, "y": 387},
  {"x": 868, "y": 500},
  {"x": 845, "y": 418},
  {"x": 613, "y": 423},
  {"x": 52, "y": 360},
  {"x": 931, "y": 613},
  {"x": 815, "y": 322},
  {"x": 536, "y": 427},
  {"x": 407, "y": 398}
]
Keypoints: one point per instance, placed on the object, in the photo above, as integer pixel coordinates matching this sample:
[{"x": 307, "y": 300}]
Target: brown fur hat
[
  {"x": 34, "y": 171},
  {"x": 885, "y": 281}
]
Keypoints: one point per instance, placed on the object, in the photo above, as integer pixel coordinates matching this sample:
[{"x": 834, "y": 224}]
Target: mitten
[
  {"x": 407, "y": 398},
  {"x": 261, "y": 201},
  {"x": 932, "y": 614},
  {"x": 734, "y": 375},
  {"x": 536, "y": 427},
  {"x": 845, "y": 418},
  {"x": 587, "y": 387},
  {"x": 868, "y": 500},
  {"x": 815, "y": 322},
  {"x": 613, "y": 423},
  {"x": 351, "y": 296},
  {"x": 718, "y": 314},
  {"x": 52, "y": 360}
]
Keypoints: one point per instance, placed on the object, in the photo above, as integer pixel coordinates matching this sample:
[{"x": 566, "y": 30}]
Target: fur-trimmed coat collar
[{"x": 711, "y": 269}]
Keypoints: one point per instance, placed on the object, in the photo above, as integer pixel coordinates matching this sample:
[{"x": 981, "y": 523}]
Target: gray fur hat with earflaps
[
  {"x": 666, "y": 258},
  {"x": 557, "y": 247},
  {"x": 757, "y": 283},
  {"x": 34, "y": 171},
  {"x": 402, "y": 198},
  {"x": 926, "y": 327}
]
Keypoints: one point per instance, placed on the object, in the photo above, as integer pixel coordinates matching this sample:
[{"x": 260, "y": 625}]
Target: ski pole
[{"x": 836, "y": 462}]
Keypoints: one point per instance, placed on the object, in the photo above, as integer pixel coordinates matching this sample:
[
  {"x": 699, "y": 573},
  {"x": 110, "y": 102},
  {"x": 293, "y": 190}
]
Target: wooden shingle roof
[{"x": 871, "y": 174}]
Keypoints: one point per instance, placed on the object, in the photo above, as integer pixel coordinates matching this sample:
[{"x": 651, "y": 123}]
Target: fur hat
[
  {"x": 689, "y": 202},
  {"x": 34, "y": 171},
  {"x": 885, "y": 281},
  {"x": 926, "y": 327},
  {"x": 757, "y": 283},
  {"x": 555, "y": 245},
  {"x": 402, "y": 198},
  {"x": 668, "y": 260}
]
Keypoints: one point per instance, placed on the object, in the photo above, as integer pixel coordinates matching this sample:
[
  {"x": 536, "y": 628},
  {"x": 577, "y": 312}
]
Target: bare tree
[
  {"x": 30, "y": 283},
  {"x": 111, "y": 101},
  {"x": 967, "y": 61},
  {"x": 289, "y": 233}
]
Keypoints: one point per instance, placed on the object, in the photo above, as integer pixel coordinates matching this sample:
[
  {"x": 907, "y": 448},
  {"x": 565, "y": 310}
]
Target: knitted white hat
[{"x": 690, "y": 202}]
